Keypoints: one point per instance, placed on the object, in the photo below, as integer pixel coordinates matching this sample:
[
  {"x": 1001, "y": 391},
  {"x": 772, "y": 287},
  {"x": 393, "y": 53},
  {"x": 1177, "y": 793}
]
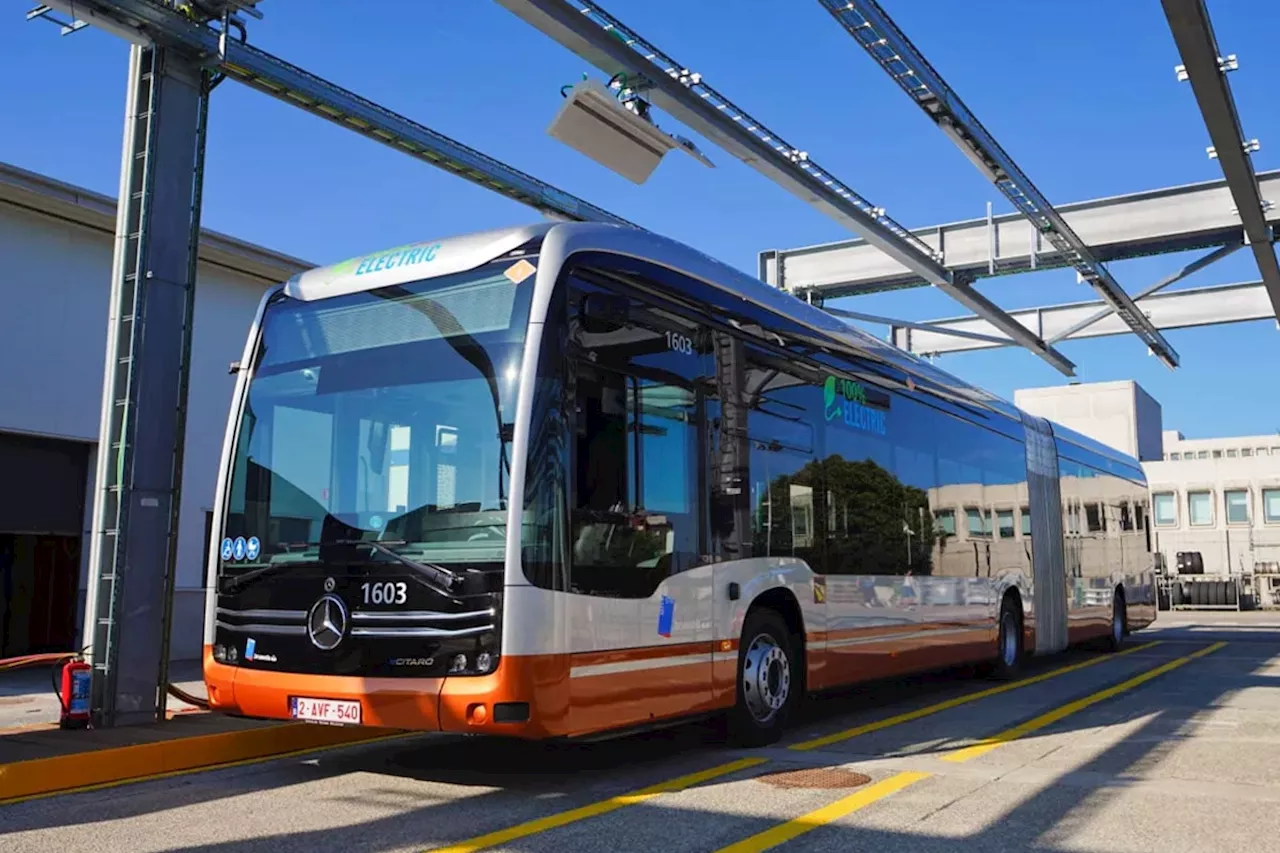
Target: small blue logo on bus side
[
  {"x": 666, "y": 616},
  {"x": 239, "y": 548},
  {"x": 252, "y": 548},
  {"x": 228, "y": 548},
  {"x": 250, "y": 645}
]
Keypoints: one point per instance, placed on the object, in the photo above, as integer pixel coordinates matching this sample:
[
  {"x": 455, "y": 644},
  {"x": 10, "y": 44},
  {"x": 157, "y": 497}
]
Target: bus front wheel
[{"x": 767, "y": 680}]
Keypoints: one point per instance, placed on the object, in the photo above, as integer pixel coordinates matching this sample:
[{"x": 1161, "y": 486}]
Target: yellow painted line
[
  {"x": 542, "y": 824},
  {"x": 987, "y": 744},
  {"x": 878, "y": 725},
  {"x": 784, "y": 832},
  {"x": 96, "y": 769}
]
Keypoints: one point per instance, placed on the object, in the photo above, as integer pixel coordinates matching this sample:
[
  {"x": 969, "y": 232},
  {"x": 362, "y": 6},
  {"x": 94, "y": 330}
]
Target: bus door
[{"x": 640, "y": 614}]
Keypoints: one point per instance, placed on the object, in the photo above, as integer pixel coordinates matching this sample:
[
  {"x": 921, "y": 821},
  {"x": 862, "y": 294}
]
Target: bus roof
[{"x": 434, "y": 258}]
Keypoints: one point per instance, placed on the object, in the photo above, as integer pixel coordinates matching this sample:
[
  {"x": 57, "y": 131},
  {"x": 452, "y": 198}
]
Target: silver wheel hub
[
  {"x": 766, "y": 678},
  {"x": 1009, "y": 640}
]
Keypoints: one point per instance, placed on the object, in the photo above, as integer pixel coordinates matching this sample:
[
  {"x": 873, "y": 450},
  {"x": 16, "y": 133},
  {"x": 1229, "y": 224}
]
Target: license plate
[{"x": 324, "y": 710}]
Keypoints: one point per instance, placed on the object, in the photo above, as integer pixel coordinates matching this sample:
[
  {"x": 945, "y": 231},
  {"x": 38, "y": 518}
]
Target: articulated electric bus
[{"x": 574, "y": 479}]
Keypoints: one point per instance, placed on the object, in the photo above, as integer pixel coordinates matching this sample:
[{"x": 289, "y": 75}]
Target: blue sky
[{"x": 1083, "y": 96}]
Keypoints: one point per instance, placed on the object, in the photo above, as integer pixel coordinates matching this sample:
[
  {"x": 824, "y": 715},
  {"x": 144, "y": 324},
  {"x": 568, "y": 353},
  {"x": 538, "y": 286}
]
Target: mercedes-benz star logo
[{"x": 327, "y": 622}]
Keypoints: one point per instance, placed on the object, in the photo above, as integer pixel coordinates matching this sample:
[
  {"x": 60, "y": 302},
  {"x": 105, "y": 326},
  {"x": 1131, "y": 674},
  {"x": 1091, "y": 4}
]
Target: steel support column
[{"x": 140, "y": 449}]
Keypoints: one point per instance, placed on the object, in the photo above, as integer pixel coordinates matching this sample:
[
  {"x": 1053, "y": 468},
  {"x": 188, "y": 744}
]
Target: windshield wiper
[
  {"x": 235, "y": 583},
  {"x": 440, "y": 577}
]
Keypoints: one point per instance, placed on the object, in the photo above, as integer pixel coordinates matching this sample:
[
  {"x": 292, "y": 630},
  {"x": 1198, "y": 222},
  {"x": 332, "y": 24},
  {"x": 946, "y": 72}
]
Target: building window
[
  {"x": 979, "y": 522},
  {"x": 1174, "y": 456},
  {"x": 1237, "y": 503},
  {"x": 1200, "y": 509},
  {"x": 1165, "y": 509},
  {"x": 1217, "y": 454},
  {"x": 1271, "y": 506},
  {"x": 1275, "y": 451},
  {"x": 1246, "y": 451},
  {"x": 1203, "y": 454},
  {"x": 1231, "y": 454},
  {"x": 1026, "y": 522},
  {"x": 946, "y": 521},
  {"x": 1262, "y": 451},
  {"x": 1004, "y": 521}
]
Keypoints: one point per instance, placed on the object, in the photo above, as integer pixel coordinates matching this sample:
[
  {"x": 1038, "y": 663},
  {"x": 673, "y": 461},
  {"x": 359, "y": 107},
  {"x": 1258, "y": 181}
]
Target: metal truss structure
[
  {"x": 872, "y": 29},
  {"x": 1222, "y": 214},
  {"x": 604, "y": 41}
]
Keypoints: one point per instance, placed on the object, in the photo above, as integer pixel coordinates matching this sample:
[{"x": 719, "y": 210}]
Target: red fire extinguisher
[{"x": 77, "y": 677}]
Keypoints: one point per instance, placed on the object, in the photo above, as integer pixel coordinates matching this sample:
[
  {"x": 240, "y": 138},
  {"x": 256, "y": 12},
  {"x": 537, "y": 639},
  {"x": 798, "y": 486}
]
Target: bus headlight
[
  {"x": 219, "y": 653},
  {"x": 484, "y": 662}
]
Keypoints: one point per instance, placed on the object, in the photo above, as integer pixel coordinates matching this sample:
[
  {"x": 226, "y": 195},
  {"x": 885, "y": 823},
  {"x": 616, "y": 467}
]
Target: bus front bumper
[{"x": 514, "y": 700}]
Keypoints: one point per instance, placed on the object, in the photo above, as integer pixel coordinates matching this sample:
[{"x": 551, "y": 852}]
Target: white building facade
[
  {"x": 1214, "y": 502},
  {"x": 55, "y": 284},
  {"x": 1219, "y": 498}
]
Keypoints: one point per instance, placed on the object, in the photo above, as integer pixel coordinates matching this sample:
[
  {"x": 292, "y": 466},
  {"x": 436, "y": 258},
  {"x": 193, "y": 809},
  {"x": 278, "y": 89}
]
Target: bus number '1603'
[
  {"x": 679, "y": 343},
  {"x": 385, "y": 593}
]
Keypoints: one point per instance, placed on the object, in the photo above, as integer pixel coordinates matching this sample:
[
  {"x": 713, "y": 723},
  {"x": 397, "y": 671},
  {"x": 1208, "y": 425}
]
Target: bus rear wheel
[
  {"x": 1119, "y": 625},
  {"x": 767, "y": 680},
  {"x": 1009, "y": 638}
]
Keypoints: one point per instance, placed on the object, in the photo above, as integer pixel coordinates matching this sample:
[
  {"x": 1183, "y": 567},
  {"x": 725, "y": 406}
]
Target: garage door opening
[{"x": 42, "y": 495}]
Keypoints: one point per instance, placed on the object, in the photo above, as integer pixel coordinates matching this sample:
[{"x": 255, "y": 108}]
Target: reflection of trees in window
[
  {"x": 878, "y": 526},
  {"x": 784, "y": 518},
  {"x": 871, "y": 523}
]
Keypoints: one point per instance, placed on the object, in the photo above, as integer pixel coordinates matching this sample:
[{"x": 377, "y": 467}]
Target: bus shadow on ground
[{"x": 522, "y": 781}]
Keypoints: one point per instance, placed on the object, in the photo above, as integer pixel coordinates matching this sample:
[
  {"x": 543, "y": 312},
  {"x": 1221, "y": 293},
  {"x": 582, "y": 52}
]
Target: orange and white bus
[{"x": 575, "y": 479}]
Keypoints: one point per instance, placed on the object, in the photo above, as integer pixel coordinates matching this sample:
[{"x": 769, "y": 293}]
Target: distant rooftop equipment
[{"x": 595, "y": 122}]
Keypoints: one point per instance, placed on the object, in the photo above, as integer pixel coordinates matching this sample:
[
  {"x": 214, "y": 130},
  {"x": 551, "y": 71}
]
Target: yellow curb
[{"x": 99, "y": 768}]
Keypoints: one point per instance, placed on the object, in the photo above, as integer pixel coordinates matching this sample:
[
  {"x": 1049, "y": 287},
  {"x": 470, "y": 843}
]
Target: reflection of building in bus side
[
  {"x": 1104, "y": 524},
  {"x": 986, "y": 530}
]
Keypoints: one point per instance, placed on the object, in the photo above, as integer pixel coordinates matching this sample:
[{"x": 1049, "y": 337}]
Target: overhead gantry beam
[
  {"x": 876, "y": 32},
  {"x": 1182, "y": 309},
  {"x": 1193, "y": 32},
  {"x": 142, "y": 21},
  {"x": 599, "y": 38},
  {"x": 1152, "y": 222}
]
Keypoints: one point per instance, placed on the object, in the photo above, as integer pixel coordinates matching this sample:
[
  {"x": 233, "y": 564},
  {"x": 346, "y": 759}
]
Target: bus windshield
[{"x": 383, "y": 415}]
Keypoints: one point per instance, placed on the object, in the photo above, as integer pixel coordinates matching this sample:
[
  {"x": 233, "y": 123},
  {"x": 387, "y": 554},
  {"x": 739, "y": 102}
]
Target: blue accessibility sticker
[
  {"x": 239, "y": 547},
  {"x": 252, "y": 548},
  {"x": 666, "y": 615},
  {"x": 227, "y": 548}
]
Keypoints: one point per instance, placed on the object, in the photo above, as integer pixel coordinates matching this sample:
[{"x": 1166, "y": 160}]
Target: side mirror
[{"x": 604, "y": 312}]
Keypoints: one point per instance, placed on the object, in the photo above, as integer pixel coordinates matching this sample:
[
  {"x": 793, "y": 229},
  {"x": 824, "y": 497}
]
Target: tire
[
  {"x": 768, "y": 680},
  {"x": 1119, "y": 623},
  {"x": 1009, "y": 641}
]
